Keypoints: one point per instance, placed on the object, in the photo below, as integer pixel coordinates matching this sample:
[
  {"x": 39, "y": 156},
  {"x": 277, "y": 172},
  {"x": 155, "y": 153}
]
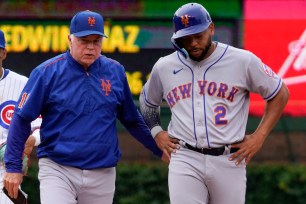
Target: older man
[{"x": 79, "y": 94}]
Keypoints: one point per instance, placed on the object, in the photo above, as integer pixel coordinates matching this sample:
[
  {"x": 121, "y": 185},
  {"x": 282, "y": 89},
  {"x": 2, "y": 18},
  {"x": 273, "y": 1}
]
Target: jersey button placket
[{"x": 198, "y": 107}]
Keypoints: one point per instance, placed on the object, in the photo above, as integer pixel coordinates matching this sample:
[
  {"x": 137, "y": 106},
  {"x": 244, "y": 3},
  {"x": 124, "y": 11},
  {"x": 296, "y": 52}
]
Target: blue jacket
[{"x": 79, "y": 110}]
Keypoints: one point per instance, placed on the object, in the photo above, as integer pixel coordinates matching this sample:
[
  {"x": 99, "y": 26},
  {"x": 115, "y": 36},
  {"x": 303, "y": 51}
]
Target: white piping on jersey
[{"x": 205, "y": 118}]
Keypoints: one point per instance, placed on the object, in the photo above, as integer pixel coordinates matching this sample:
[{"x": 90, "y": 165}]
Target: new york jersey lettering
[{"x": 212, "y": 89}]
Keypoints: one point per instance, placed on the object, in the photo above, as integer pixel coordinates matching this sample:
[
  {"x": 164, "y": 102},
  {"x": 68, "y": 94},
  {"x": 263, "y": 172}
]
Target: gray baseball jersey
[{"x": 208, "y": 98}]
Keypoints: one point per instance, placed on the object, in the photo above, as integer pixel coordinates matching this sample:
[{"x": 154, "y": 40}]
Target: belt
[{"x": 210, "y": 151}]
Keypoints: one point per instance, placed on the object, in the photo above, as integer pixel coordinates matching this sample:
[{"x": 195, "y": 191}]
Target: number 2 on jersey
[{"x": 220, "y": 112}]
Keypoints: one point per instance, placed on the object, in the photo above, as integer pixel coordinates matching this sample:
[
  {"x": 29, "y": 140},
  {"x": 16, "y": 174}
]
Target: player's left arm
[{"x": 253, "y": 142}]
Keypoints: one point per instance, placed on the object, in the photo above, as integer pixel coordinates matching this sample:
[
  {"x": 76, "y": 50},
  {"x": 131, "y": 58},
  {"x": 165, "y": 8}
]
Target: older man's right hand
[{"x": 12, "y": 181}]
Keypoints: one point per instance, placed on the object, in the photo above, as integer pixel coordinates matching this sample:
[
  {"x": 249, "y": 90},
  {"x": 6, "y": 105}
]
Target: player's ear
[
  {"x": 70, "y": 40},
  {"x": 212, "y": 28},
  {"x": 4, "y": 53}
]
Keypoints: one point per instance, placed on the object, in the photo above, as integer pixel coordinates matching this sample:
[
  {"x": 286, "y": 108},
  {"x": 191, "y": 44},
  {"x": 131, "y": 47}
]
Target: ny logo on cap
[
  {"x": 185, "y": 20},
  {"x": 91, "y": 21}
]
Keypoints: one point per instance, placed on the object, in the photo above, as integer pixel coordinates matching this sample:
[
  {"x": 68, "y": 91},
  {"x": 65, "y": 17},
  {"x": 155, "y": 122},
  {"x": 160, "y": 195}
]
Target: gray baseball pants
[{"x": 68, "y": 185}]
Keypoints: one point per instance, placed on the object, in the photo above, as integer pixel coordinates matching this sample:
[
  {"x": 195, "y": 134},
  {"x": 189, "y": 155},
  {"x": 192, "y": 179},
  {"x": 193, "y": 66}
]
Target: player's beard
[{"x": 204, "y": 52}]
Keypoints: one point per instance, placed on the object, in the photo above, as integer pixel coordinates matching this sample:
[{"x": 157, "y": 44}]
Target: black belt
[{"x": 210, "y": 151}]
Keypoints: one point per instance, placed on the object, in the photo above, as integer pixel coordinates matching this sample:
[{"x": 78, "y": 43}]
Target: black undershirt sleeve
[{"x": 150, "y": 114}]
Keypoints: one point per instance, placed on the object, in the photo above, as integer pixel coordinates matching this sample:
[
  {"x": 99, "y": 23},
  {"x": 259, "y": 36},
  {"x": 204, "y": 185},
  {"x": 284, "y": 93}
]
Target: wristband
[
  {"x": 155, "y": 130},
  {"x": 36, "y": 135}
]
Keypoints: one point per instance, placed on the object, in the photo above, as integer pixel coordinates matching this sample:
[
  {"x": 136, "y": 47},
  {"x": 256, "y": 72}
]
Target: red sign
[{"x": 276, "y": 32}]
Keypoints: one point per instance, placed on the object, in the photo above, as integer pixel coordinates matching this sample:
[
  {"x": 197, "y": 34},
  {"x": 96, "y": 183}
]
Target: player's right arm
[
  {"x": 151, "y": 116},
  {"x": 150, "y": 100}
]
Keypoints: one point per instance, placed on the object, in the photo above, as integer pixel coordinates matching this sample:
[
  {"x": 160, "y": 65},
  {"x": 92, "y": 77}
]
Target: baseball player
[
  {"x": 207, "y": 85},
  {"x": 11, "y": 85},
  {"x": 79, "y": 95}
]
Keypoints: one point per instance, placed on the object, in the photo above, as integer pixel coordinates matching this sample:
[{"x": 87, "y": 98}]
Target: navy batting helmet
[{"x": 189, "y": 19}]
